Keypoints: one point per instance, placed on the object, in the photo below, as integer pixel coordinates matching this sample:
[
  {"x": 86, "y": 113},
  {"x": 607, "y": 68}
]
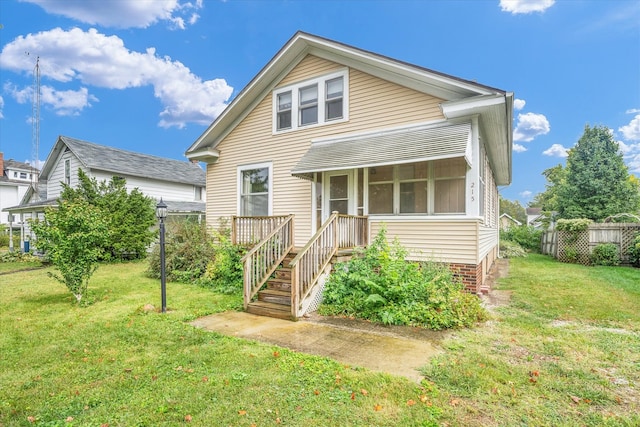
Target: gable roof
[
  {"x": 510, "y": 218},
  {"x": 123, "y": 162},
  {"x": 14, "y": 164},
  {"x": 462, "y": 97}
]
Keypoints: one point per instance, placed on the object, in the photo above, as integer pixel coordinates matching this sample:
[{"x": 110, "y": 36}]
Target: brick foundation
[{"x": 470, "y": 275}]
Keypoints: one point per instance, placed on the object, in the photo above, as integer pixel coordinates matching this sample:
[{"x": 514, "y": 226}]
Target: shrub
[
  {"x": 194, "y": 254},
  {"x": 17, "y": 256},
  {"x": 225, "y": 274},
  {"x": 380, "y": 285},
  {"x": 571, "y": 254},
  {"x": 4, "y": 240},
  {"x": 606, "y": 254},
  {"x": 188, "y": 249},
  {"x": 510, "y": 249},
  {"x": 524, "y": 235},
  {"x": 634, "y": 251},
  {"x": 73, "y": 235}
]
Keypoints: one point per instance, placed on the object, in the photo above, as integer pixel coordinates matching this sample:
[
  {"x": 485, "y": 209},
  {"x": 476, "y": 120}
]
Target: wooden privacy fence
[{"x": 578, "y": 249}]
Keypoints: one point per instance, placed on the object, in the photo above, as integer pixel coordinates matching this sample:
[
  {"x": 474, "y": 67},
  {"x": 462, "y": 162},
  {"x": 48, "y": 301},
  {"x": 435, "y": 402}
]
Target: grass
[
  {"x": 564, "y": 352},
  {"x": 113, "y": 363}
]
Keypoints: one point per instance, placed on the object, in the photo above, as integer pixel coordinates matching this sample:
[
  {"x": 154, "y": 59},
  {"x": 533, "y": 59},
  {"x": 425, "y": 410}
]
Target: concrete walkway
[{"x": 395, "y": 350}]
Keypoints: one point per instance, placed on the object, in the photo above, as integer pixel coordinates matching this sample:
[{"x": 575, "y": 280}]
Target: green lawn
[
  {"x": 112, "y": 363},
  {"x": 564, "y": 352}
]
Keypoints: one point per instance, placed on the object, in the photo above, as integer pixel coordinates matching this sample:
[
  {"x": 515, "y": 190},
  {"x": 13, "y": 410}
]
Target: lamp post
[
  {"x": 161, "y": 213},
  {"x": 10, "y": 219}
]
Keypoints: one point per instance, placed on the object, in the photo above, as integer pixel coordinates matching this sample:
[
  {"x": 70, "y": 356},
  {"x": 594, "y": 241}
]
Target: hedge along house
[{"x": 325, "y": 127}]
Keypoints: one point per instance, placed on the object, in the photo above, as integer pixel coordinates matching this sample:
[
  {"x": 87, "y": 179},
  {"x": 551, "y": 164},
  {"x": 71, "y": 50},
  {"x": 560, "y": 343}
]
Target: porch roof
[{"x": 407, "y": 145}]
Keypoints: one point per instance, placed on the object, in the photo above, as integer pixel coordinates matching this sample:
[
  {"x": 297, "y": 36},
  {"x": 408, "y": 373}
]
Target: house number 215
[{"x": 473, "y": 196}]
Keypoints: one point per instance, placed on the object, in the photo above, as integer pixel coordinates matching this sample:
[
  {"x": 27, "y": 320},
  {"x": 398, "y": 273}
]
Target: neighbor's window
[
  {"x": 435, "y": 187},
  {"x": 254, "y": 188},
  {"x": 312, "y": 102},
  {"x": 23, "y": 175},
  {"x": 67, "y": 172}
]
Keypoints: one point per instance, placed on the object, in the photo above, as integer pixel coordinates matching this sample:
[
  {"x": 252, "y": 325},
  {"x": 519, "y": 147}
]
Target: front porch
[{"x": 286, "y": 282}]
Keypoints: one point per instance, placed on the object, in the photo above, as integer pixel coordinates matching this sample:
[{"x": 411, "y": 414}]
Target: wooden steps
[{"x": 275, "y": 299}]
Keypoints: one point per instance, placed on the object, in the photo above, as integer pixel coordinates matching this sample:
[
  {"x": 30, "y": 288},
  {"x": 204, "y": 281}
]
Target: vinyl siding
[
  {"x": 446, "y": 241},
  {"x": 153, "y": 188},
  {"x": 55, "y": 180},
  {"x": 373, "y": 104}
]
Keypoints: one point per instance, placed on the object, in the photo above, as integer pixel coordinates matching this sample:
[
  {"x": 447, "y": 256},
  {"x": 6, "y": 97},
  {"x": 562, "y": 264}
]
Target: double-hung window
[
  {"x": 284, "y": 110},
  {"x": 333, "y": 98},
  {"x": 311, "y": 102},
  {"x": 67, "y": 172},
  {"x": 308, "y": 105},
  {"x": 254, "y": 186}
]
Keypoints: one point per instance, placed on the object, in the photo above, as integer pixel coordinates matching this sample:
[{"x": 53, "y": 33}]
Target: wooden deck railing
[
  {"x": 263, "y": 259},
  {"x": 338, "y": 232},
  {"x": 249, "y": 230}
]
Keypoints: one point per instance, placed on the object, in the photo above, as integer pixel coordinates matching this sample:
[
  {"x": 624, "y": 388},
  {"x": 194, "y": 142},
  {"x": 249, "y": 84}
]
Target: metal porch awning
[{"x": 410, "y": 145}]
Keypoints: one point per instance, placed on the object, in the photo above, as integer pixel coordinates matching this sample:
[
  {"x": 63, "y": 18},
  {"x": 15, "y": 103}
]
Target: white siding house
[{"x": 180, "y": 184}]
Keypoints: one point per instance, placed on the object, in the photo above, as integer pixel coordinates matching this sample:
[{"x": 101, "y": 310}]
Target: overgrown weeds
[{"x": 381, "y": 285}]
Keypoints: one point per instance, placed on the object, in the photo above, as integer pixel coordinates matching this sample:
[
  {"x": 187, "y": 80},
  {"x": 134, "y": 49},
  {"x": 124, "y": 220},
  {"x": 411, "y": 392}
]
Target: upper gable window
[{"x": 311, "y": 102}]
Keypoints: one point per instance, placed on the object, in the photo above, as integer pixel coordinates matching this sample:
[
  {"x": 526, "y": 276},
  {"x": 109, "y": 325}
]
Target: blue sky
[{"x": 151, "y": 76}]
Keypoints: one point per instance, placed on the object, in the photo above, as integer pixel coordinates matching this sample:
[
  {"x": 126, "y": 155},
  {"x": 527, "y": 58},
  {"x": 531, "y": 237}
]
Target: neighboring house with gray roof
[
  {"x": 181, "y": 184},
  {"x": 15, "y": 180}
]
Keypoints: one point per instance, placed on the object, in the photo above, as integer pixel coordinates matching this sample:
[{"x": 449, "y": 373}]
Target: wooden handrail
[
  {"x": 338, "y": 231},
  {"x": 248, "y": 230},
  {"x": 265, "y": 257}
]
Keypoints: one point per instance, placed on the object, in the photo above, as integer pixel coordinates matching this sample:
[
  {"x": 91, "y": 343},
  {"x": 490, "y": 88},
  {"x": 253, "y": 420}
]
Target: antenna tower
[{"x": 35, "y": 126}]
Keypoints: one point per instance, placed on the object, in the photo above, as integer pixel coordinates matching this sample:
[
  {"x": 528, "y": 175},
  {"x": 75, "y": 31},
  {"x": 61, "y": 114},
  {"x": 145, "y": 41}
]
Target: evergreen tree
[
  {"x": 130, "y": 215},
  {"x": 596, "y": 182}
]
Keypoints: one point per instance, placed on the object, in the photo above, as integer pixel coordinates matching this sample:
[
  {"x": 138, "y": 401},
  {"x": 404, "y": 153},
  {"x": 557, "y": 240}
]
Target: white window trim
[
  {"x": 295, "y": 93},
  {"x": 240, "y": 169}
]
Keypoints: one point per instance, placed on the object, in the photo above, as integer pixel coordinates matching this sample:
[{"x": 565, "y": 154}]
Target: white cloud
[
  {"x": 95, "y": 59},
  {"x": 519, "y": 148},
  {"x": 556, "y": 150},
  {"x": 631, "y": 154},
  {"x": 525, "y": 6},
  {"x": 64, "y": 103},
  {"x": 1, "y": 107},
  {"x": 530, "y": 125},
  {"x": 518, "y": 104},
  {"x": 124, "y": 13},
  {"x": 39, "y": 163},
  {"x": 633, "y": 111},
  {"x": 631, "y": 132},
  {"x": 526, "y": 194}
]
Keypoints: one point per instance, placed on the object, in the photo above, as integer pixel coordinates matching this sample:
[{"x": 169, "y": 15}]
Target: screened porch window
[
  {"x": 449, "y": 186},
  {"x": 436, "y": 187},
  {"x": 254, "y": 191}
]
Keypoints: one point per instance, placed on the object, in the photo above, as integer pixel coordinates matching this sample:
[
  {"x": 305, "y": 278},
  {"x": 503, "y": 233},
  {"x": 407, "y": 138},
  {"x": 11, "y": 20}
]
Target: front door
[{"x": 338, "y": 191}]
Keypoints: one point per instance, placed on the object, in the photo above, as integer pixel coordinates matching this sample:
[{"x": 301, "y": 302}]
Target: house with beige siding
[{"x": 335, "y": 141}]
